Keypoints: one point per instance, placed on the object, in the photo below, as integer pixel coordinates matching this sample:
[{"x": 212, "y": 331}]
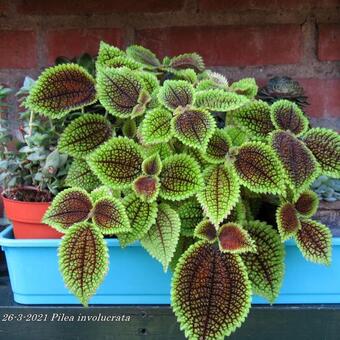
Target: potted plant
[{"x": 189, "y": 190}]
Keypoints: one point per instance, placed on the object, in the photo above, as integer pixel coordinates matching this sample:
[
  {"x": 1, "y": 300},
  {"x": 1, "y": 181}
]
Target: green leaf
[
  {"x": 110, "y": 217},
  {"x": 246, "y": 87},
  {"x": 146, "y": 188},
  {"x": 220, "y": 193},
  {"x": 107, "y": 53},
  {"x": 193, "y": 127},
  {"x": 315, "y": 241},
  {"x": 287, "y": 115},
  {"x": 117, "y": 163},
  {"x": 142, "y": 215},
  {"x": 119, "y": 91},
  {"x": 84, "y": 135},
  {"x": 69, "y": 207},
  {"x": 61, "y": 89},
  {"x": 258, "y": 168},
  {"x": 101, "y": 192},
  {"x": 152, "y": 165},
  {"x": 188, "y": 60},
  {"x": 150, "y": 81},
  {"x": 219, "y": 100},
  {"x": 183, "y": 244},
  {"x": 190, "y": 213},
  {"x": 180, "y": 177},
  {"x": 161, "y": 239},
  {"x": 123, "y": 61},
  {"x": 129, "y": 128},
  {"x": 255, "y": 119},
  {"x": 80, "y": 175},
  {"x": 176, "y": 93},
  {"x": 307, "y": 204},
  {"x": 297, "y": 161},
  {"x": 188, "y": 75},
  {"x": 156, "y": 127},
  {"x": 214, "y": 80},
  {"x": 162, "y": 149},
  {"x": 237, "y": 135},
  {"x": 143, "y": 55},
  {"x": 287, "y": 221},
  {"x": 266, "y": 266},
  {"x": 83, "y": 260},
  {"x": 238, "y": 213},
  {"x": 206, "y": 231},
  {"x": 217, "y": 147},
  {"x": 210, "y": 293},
  {"x": 232, "y": 238},
  {"x": 325, "y": 146}
]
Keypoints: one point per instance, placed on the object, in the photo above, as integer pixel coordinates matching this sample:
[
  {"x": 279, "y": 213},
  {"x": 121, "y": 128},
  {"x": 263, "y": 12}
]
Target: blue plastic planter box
[{"x": 135, "y": 278}]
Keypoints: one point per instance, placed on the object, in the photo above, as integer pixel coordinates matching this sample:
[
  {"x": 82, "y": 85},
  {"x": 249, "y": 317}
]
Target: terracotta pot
[{"x": 26, "y": 218}]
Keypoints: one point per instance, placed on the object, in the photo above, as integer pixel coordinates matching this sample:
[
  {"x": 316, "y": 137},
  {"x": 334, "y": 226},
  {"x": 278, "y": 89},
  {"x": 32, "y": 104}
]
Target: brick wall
[{"x": 260, "y": 38}]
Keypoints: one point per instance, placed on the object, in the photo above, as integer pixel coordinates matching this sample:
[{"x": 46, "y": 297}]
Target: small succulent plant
[
  {"x": 152, "y": 164},
  {"x": 327, "y": 188}
]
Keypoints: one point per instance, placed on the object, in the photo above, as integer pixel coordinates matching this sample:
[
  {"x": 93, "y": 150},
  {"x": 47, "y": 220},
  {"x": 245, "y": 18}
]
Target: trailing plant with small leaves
[{"x": 176, "y": 157}]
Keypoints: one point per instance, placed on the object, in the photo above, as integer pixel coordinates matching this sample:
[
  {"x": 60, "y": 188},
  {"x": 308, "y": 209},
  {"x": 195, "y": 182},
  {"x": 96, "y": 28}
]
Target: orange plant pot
[{"x": 26, "y": 218}]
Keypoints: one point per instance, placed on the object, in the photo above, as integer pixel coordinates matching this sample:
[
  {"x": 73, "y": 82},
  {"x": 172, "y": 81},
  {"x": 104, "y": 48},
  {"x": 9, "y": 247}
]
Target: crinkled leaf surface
[
  {"x": 161, "y": 239},
  {"x": 258, "y": 168},
  {"x": 188, "y": 60},
  {"x": 180, "y": 177},
  {"x": 190, "y": 212},
  {"x": 184, "y": 242},
  {"x": 220, "y": 193},
  {"x": 80, "y": 175},
  {"x": 315, "y": 241},
  {"x": 325, "y": 146},
  {"x": 103, "y": 191},
  {"x": 61, "y": 89},
  {"x": 69, "y": 207},
  {"x": 143, "y": 56},
  {"x": 307, "y": 204},
  {"x": 110, "y": 217},
  {"x": 218, "y": 147},
  {"x": 266, "y": 266},
  {"x": 107, "y": 53},
  {"x": 84, "y": 135},
  {"x": 206, "y": 231},
  {"x": 117, "y": 163},
  {"x": 237, "y": 135},
  {"x": 146, "y": 187},
  {"x": 194, "y": 127},
  {"x": 210, "y": 292},
  {"x": 123, "y": 61},
  {"x": 141, "y": 214},
  {"x": 287, "y": 220},
  {"x": 246, "y": 87},
  {"x": 152, "y": 165},
  {"x": 83, "y": 260}
]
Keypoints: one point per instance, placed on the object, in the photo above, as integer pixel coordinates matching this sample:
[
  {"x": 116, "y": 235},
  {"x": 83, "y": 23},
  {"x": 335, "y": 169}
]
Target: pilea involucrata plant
[{"x": 171, "y": 154}]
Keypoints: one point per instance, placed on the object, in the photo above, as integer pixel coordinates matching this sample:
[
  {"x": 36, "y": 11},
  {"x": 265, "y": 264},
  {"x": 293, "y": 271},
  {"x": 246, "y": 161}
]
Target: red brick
[
  {"x": 228, "y": 45},
  {"x": 323, "y": 96},
  {"x": 329, "y": 42},
  {"x": 18, "y": 49},
  {"x": 54, "y": 7},
  {"x": 72, "y": 43},
  {"x": 3, "y": 7},
  {"x": 236, "y": 5}
]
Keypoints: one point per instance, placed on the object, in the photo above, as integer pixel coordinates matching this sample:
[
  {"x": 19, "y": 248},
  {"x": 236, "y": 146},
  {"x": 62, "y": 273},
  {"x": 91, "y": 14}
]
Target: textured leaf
[
  {"x": 150, "y": 81},
  {"x": 143, "y": 55},
  {"x": 187, "y": 74},
  {"x": 190, "y": 212},
  {"x": 123, "y": 61},
  {"x": 255, "y": 119},
  {"x": 117, "y": 163},
  {"x": 162, "y": 238},
  {"x": 210, "y": 292},
  {"x": 220, "y": 193},
  {"x": 156, "y": 127},
  {"x": 237, "y": 135},
  {"x": 266, "y": 266},
  {"x": 297, "y": 161},
  {"x": 287, "y": 115},
  {"x": 175, "y": 93},
  {"x": 206, "y": 231},
  {"x": 152, "y": 165},
  {"x": 162, "y": 149},
  {"x": 287, "y": 221},
  {"x": 246, "y": 87},
  {"x": 83, "y": 260},
  {"x": 183, "y": 244},
  {"x": 307, "y": 204},
  {"x": 80, "y": 175},
  {"x": 69, "y": 207},
  {"x": 119, "y": 91},
  {"x": 214, "y": 81},
  {"x": 180, "y": 177},
  {"x": 258, "y": 168},
  {"x": 238, "y": 213},
  {"x": 84, "y": 135},
  {"x": 146, "y": 188},
  {"x": 188, "y": 60},
  {"x": 129, "y": 128},
  {"x": 219, "y": 100},
  {"x": 110, "y": 217},
  {"x": 194, "y": 127},
  {"x": 218, "y": 147},
  {"x": 325, "y": 146},
  {"x": 61, "y": 89},
  {"x": 107, "y": 53},
  {"x": 315, "y": 241},
  {"x": 232, "y": 238},
  {"x": 142, "y": 215},
  {"x": 102, "y": 192}
]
